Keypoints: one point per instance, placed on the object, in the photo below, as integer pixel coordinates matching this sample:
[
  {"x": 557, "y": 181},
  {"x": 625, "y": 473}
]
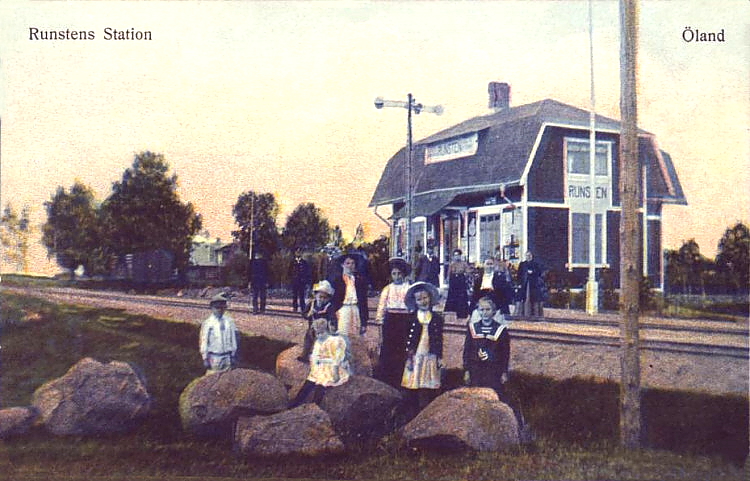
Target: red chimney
[{"x": 499, "y": 96}]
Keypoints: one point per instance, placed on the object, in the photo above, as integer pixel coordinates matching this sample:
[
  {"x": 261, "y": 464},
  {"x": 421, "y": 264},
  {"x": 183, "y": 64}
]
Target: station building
[{"x": 519, "y": 179}]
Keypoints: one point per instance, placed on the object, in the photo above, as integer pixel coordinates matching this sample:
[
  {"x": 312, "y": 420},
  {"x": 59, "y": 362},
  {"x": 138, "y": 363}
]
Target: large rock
[
  {"x": 305, "y": 430},
  {"x": 92, "y": 398},
  {"x": 361, "y": 360},
  {"x": 469, "y": 417},
  {"x": 210, "y": 405},
  {"x": 362, "y": 409},
  {"x": 290, "y": 371},
  {"x": 16, "y": 420}
]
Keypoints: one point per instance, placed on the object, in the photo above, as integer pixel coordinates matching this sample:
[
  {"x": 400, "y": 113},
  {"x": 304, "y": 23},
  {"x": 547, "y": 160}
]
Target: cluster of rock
[{"x": 249, "y": 408}]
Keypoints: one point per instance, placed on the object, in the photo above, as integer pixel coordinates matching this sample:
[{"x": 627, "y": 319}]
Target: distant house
[
  {"x": 518, "y": 179},
  {"x": 207, "y": 257}
]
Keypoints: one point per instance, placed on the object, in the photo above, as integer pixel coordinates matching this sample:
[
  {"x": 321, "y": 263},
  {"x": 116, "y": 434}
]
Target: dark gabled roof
[{"x": 506, "y": 140}]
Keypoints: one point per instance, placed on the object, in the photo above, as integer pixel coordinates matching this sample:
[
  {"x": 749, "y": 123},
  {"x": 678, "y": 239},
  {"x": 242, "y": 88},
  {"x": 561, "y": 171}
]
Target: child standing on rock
[
  {"x": 424, "y": 344},
  {"x": 218, "y": 338}
]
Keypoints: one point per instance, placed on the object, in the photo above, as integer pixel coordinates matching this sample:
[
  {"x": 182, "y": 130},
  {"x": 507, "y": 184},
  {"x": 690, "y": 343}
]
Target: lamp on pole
[{"x": 412, "y": 107}]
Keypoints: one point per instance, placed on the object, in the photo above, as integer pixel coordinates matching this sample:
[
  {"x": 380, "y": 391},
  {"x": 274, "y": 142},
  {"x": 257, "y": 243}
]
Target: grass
[{"x": 689, "y": 436}]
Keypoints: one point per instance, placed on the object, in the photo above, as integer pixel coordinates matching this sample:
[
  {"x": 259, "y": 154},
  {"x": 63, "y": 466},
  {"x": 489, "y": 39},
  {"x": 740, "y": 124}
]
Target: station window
[
  {"x": 579, "y": 225},
  {"x": 577, "y": 156}
]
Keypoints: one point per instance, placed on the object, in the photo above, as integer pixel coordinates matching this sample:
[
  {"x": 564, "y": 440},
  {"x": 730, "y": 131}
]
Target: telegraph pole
[
  {"x": 413, "y": 108},
  {"x": 630, "y": 230}
]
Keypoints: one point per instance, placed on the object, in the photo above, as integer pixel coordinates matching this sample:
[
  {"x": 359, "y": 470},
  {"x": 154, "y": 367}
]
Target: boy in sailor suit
[{"x": 487, "y": 348}]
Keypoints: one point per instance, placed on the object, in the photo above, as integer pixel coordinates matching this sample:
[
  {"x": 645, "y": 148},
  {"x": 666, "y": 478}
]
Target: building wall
[{"x": 548, "y": 236}]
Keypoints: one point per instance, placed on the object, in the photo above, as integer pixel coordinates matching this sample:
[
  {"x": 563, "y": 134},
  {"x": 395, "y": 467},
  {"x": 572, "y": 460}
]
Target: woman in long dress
[{"x": 395, "y": 320}]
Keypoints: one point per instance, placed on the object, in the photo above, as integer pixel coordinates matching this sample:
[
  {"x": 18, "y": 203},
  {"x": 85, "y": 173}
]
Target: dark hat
[
  {"x": 218, "y": 299},
  {"x": 411, "y": 302},
  {"x": 400, "y": 264}
]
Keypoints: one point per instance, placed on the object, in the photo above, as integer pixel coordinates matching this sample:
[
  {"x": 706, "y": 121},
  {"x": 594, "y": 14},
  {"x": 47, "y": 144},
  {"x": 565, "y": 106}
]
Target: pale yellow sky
[{"x": 278, "y": 96}]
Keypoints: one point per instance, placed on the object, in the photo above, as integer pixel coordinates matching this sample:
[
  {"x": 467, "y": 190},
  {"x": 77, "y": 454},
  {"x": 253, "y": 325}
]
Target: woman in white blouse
[{"x": 394, "y": 319}]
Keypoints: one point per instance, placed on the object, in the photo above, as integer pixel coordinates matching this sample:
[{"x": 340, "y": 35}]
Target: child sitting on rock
[
  {"x": 328, "y": 364},
  {"x": 424, "y": 344},
  {"x": 319, "y": 308}
]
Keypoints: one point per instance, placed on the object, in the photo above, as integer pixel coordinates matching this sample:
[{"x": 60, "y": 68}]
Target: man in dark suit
[
  {"x": 259, "y": 280},
  {"x": 427, "y": 268},
  {"x": 300, "y": 274}
]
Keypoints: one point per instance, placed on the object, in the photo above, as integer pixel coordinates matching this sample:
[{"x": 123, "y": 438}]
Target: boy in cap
[{"x": 218, "y": 337}]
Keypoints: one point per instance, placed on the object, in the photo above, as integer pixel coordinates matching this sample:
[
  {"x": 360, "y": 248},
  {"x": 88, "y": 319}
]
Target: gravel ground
[{"x": 561, "y": 361}]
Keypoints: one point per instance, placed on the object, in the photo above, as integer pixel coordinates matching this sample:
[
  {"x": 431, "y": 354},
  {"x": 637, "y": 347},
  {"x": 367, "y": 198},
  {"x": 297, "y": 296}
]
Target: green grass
[{"x": 575, "y": 420}]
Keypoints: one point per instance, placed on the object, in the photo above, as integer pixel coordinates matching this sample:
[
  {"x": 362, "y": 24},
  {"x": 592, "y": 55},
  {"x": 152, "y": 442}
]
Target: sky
[{"x": 278, "y": 96}]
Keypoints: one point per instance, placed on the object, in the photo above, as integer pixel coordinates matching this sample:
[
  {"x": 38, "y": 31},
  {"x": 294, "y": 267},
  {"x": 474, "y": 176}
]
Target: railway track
[{"x": 733, "y": 342}]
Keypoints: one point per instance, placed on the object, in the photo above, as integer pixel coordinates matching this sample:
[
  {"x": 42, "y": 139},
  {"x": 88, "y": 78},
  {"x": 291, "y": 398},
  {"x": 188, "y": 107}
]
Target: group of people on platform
[
  {"x": 411, "y": 341},
  {"x": 466, "y": 286}
]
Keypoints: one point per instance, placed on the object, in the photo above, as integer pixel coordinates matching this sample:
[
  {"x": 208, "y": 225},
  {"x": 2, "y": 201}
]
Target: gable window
[{"x": 577, "y": 155}]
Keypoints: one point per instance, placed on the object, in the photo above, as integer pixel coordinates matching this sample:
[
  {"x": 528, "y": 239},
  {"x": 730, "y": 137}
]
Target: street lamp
[{"x": 412, "y": 107}]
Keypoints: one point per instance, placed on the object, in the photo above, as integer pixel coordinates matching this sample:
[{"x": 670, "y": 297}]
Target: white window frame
[{"x": 568, "y": 175}]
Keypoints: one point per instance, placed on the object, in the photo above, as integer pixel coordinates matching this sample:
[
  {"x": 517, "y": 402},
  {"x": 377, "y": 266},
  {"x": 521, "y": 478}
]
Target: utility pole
[
  {"x": 592, "y": 286},
  {"x": 630, "y": 230},
  {"x": 413, "y": 108}
]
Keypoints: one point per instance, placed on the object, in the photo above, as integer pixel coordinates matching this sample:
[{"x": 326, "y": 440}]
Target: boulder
[
  {"x": 92, "y": 398},
  {"x": 362, "y": 409},
  {"x": 290, "y": 371},
  {"x": 16, "y": 420},
  {"x": 210, "y": 405},
  {"x": 470, "y": 417},
  {"x": 305, "y": 430},
  {"x": 361, "y": 362}
]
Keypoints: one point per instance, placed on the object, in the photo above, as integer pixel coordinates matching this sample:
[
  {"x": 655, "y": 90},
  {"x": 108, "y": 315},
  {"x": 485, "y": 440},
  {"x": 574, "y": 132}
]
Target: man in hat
[
  {"x": 218, "y": 338},
  {"x": 427, "y": 267}
]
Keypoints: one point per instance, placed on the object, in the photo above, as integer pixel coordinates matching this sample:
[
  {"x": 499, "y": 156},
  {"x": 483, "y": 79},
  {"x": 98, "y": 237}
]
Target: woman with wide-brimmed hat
[{"x": 394, "y": 319}]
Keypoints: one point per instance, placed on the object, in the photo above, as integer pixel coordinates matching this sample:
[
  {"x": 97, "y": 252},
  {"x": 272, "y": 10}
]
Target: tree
[
  {"x": 255, "y": 214},
  {"x": 72, "y": 232},
  {"x": 14, "y": 236},
  {"x": 144, "y": 212},
  {"x": 733, "y": 258},
  {"x": 306, "y": 228}
]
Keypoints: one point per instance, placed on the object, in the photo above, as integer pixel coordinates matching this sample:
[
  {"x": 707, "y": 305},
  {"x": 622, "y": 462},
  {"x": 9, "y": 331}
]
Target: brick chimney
[{"x": 499, "y": 96}]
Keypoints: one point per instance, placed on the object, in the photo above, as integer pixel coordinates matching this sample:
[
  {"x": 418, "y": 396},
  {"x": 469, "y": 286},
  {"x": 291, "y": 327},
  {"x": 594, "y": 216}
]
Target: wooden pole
[{"x": 630, "y": 230}]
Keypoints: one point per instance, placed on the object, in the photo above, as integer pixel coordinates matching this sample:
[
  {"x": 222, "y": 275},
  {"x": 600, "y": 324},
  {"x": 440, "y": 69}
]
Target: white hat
[{"x": 324, "y": 286}]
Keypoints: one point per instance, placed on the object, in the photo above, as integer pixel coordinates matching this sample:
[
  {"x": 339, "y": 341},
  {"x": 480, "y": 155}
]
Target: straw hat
[
  {"x": 400, "y": 264},
  {"x": 411, "y": 302},
  {"x": 324, "y": 286}
]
